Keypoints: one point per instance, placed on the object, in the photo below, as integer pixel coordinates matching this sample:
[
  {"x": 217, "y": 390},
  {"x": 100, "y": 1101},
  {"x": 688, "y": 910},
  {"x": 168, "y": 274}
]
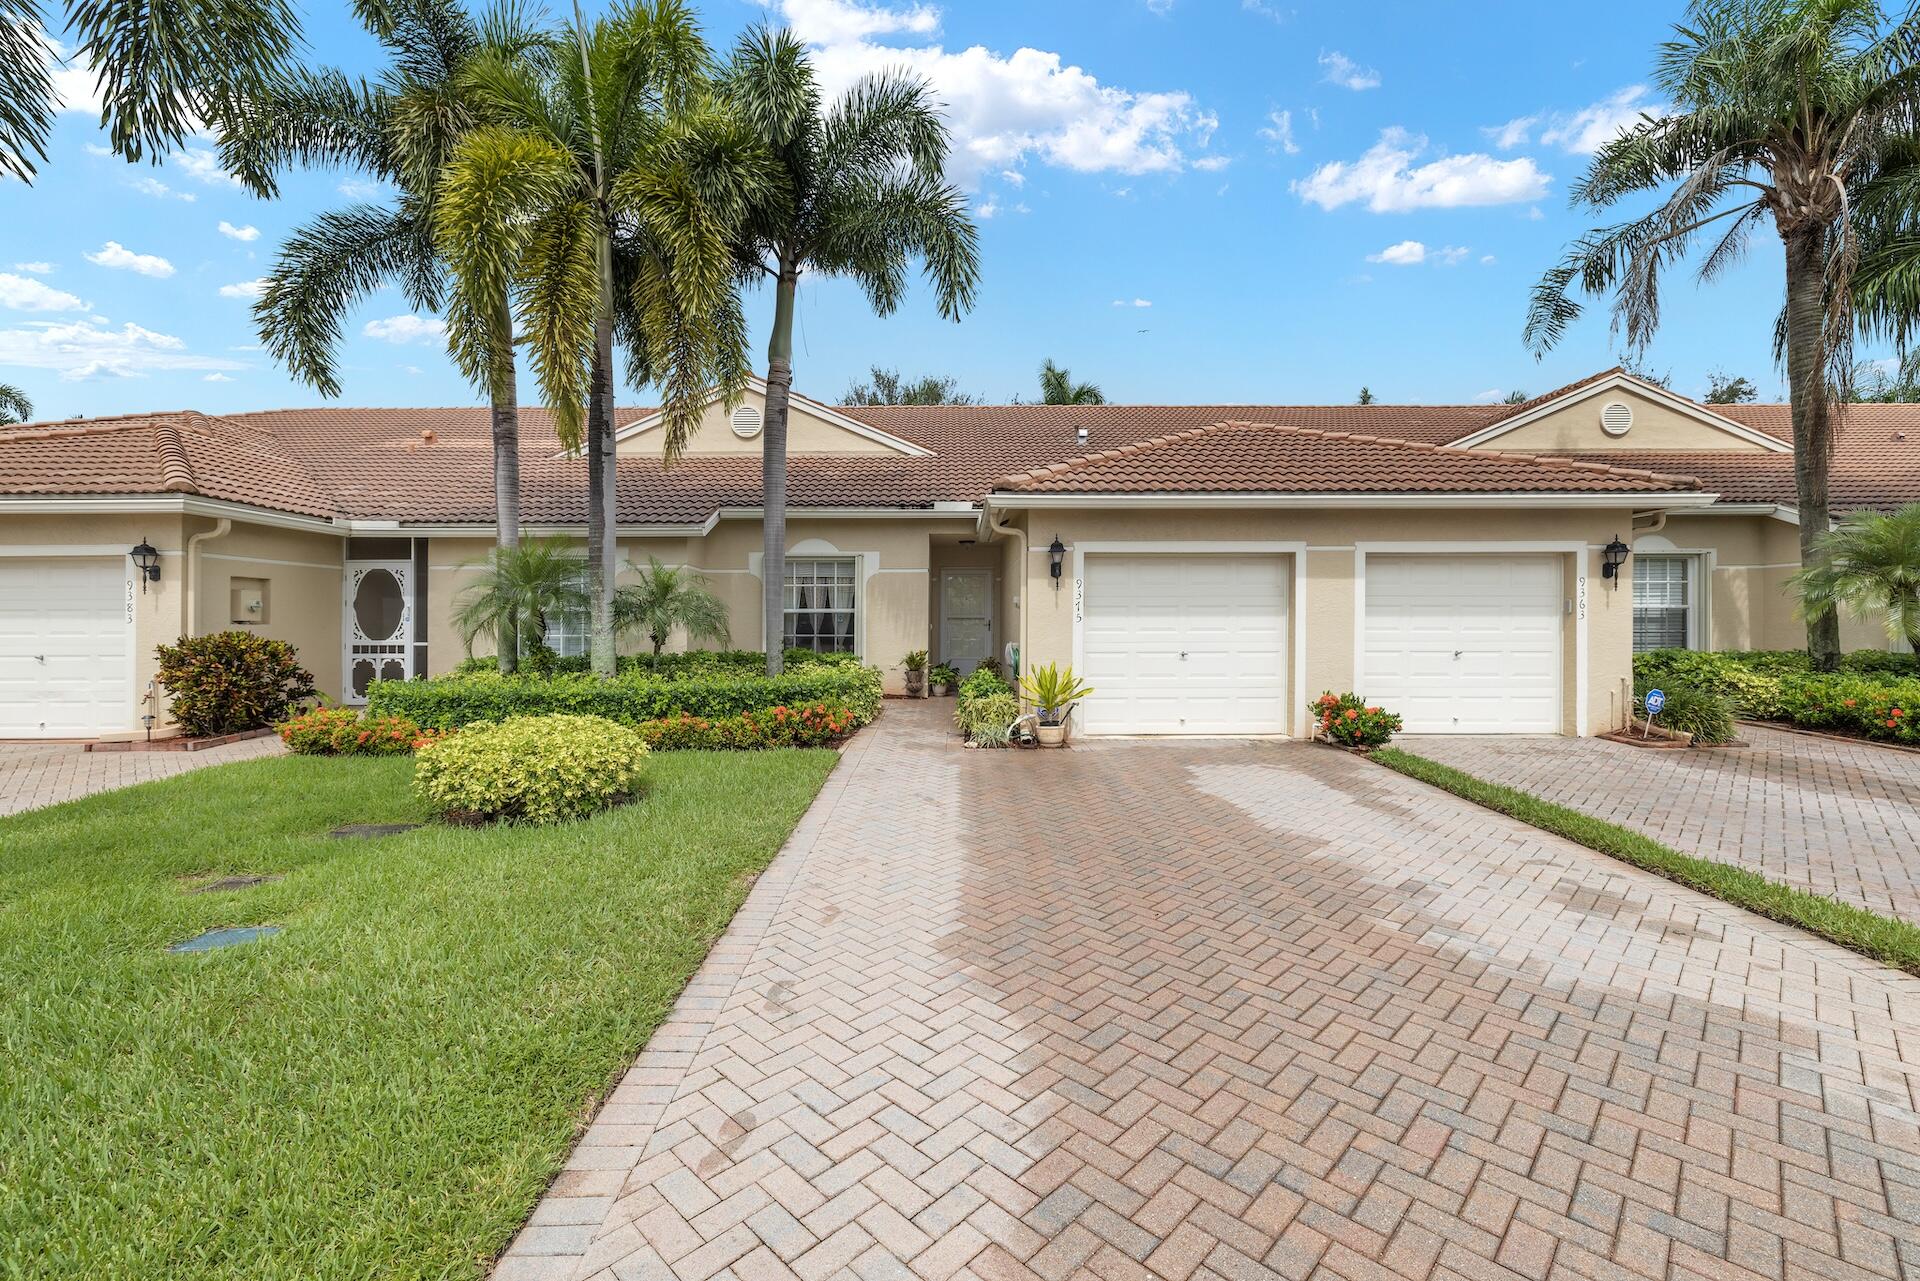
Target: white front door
[
  {"x": 66, "y": 647},
  {"x": 377, "y": 618},
  {"x": 966, "y": 618},
  {"x": 1185, "y": 644},
  {"x": 1464, "y": 644}
]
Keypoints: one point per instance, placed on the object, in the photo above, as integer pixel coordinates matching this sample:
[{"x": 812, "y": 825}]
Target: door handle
[
  {"x": 39, "y": 658},
  {"x": 1458, "y": 652},
  {"x": 1183, "y": 655}
]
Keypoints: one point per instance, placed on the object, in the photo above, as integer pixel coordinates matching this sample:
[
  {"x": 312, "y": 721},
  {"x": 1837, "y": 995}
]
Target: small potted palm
[
  {"x": 916, "y": 665},
  {"x": 1053, "y": 692},
  {"x": 942, "y": 677}
]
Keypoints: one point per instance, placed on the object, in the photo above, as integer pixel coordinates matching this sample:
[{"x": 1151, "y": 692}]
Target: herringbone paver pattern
[
  {"x": 1839, "y": 819},
  {"x": 36, "y": 774},
  {"x": 1163, "y": 1011}
]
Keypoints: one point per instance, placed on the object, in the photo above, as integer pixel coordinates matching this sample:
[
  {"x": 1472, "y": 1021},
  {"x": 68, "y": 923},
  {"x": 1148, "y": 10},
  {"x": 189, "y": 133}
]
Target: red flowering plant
[
  {"x": 1346, "y": 720},
  {"x": 341, "y": 731}
]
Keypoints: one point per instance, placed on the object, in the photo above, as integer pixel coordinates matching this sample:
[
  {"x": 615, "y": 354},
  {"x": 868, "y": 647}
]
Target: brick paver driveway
[
  {"x": 36, "y": 774},
  {"x": 1840, "y": 819},
  {"x": 1221, "y": 1010}
]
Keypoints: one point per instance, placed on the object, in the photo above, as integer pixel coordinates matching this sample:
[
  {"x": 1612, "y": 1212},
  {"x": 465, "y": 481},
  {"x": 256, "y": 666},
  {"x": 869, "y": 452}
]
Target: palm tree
[
  {"x": 14, "y": 405},
  {"x": 520, "y": 589},
  {"x": 1783, "y": 110},
  {"x": 663, "y": 599},
  {"x": 1058, "y": 388},
  {"x": 860, "y": 194},
  {"x": 606, "y": 195},
  {"x": 400, "y": 131},
  {"x": 1870, "y": 566}
]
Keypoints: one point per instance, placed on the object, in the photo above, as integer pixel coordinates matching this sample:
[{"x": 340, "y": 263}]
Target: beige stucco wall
[
  {"x": 302, "y": 574},
  {"x": 1330, "y": 538},
  {"x": 1752, "y": 557},
  {"x": 1576, "y": 427},
  {"x": 808, "y": 432}
]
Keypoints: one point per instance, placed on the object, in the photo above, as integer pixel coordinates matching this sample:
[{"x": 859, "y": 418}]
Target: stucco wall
[
  {"x": 1655, "y": 426},
  {"x": 1330, "y": 538},
  {"x": 302, "y": 576},
  {"x": 807, "y": 433}
]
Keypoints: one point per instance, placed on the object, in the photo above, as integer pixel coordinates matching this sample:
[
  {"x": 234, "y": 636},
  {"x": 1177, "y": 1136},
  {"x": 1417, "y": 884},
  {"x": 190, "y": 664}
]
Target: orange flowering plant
[
  {"x": 1350, "y": 722},
  {"x": 341, "y": 731}
]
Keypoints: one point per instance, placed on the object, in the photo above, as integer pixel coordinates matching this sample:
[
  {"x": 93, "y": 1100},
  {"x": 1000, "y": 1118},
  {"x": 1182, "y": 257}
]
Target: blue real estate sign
[{"x": 1656, "y": 700}]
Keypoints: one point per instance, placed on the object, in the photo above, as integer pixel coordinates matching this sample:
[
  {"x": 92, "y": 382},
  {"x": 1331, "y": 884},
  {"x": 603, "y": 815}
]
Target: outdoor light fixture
[
  {"x": 147, "y": 560},
  {"x": 1612, "y": 557},
  {"x": 1056, "y": 554}
]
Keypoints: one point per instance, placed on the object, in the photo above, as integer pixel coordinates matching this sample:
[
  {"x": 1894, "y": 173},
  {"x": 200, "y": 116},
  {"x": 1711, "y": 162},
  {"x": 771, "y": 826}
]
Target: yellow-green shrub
[{"x": 531, "y": 769}]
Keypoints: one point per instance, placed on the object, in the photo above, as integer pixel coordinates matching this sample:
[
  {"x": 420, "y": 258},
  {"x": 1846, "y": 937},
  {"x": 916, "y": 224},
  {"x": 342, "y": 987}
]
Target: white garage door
[
  {"x": 1185, "y": 644},
  {"x": 1461, "y": 644},
  {"x": 64, "y": 648}
]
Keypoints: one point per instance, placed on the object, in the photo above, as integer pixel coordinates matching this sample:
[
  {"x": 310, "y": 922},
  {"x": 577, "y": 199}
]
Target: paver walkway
[
  {"x": 36, "y": 774},
  {"x": 1224, "y": 1010},
  {"x": 1840, "y": 819}
]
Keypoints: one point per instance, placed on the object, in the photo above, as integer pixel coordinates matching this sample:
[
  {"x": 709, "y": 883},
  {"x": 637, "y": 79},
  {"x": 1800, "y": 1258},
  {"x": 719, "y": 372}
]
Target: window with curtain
[
  {"x": 820, "y": 605},
  {"x": 1663, "y": 593}
]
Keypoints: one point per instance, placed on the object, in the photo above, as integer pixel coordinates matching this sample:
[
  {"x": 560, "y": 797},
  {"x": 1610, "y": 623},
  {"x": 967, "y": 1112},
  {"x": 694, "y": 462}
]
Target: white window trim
[
  {"x": 1702, "y": 565},
  {"x": 1582, "y": 558},
  {"x": 1295, "y": 719},
  {"x": 860, "y": 575}
]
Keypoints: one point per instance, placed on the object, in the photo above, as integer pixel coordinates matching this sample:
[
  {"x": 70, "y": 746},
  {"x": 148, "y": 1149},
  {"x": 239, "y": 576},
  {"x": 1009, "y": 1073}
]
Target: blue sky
[{"x": 1181, "y": 200}]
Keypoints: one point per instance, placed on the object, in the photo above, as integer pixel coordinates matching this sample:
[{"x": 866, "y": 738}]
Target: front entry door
[
  {"x": 966, "y": 618},
  {"x": 378, "y": 623}
]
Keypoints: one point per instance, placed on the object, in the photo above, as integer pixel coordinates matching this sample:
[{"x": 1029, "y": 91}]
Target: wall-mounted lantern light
[
  {"x": 147, "y": 560},
  {"x": 1056, "y": 556},
  {"x": 1612, "y": 557}
]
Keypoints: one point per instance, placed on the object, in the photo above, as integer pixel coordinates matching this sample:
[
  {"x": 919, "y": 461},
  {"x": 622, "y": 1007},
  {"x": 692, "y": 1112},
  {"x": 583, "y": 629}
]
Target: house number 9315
[{"x": 1079, "y": 599}]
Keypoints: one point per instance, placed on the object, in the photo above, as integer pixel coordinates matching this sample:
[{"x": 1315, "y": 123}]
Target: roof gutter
[{"x": 1174, "y": 502}]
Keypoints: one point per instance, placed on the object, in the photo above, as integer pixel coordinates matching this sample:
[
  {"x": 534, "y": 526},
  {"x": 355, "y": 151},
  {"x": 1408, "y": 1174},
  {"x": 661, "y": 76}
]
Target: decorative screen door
[
  {"x": 378, "y": 624},
  {"x": 966, "y": 617}
]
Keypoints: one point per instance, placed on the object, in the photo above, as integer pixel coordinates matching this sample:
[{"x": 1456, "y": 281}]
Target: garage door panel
[
  {"x": 1465, "y": 644},
  {"x": 1226, "y": 614},
  {"x": 64, "y": 647}
]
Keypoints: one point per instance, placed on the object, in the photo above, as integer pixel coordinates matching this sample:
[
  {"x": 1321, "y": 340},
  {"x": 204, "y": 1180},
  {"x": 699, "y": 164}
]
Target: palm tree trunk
[
  {"x": 1812, "y": 423},
  {"x": 773, "y": 472},
  {"x": 602, "y": 545},
  {"x": 505, "y": 396}
]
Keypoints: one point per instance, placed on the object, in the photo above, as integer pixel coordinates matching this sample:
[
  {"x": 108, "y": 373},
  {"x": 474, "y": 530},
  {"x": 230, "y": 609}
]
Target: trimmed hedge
[
  {"x": 691, "y": 662},
  {"x": 1870, "y": 707},
  {"x": 451, "y": 702},
  {"x": 809, "y": 725},
  {"x": 1874, "y": 694}
]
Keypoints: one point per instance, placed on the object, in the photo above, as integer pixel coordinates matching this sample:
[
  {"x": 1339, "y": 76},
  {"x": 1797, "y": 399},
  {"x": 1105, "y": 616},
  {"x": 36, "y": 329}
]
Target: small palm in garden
[
  {"x": 1869, "y": 566},
  {"x": 664, "y": 599},
  {"x": 523, "y": 588}
]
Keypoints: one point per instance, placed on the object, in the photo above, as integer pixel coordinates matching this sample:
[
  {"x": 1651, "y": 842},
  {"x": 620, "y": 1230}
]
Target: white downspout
[
  {"x": 190, "y": 568},
  {"x": 1659, "y": 522},
  {"x": 1026, "y": 573}
]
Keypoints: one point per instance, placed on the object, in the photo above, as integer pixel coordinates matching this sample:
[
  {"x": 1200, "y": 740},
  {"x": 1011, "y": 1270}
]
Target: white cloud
[
  {"x": 95, "y": 149},
  {"x": 1137, "y": 302},
  {"x": 1407, "y": 253},
  {"x": 1212, "y": 164},
  {"x": 988, "y": 208},
  {"x": 1579, "y": 132},
  {"x": 1013, "y": 177},
  {"x": 1265, "y": 10},
  {"x": 1348, "y": 74},
  {"x": 22, "y": 294},
  {"x": 1278, "y": 131},
  {"x": 1004, "y": 109},
  {"x": 1387, "y": 180},
  {"x": 200, "y": 163},
  {"x": 160, "y": 190},
  {"x": 1487, "y": 260},
  {"x": 34, "y": 268},
  {"x": 404, "y": 329},
  {"x": 1491, "y": 396},
  {"x": 115, "y": 255},
  {"x": 245, "y": 288},
  {"x": 1451, "y": 255},
  {"x": 80, "y": 350},
  {"x": 360, "y": 189},
  {"x": 73, "y": 86},
  {"x": 216, "y": 378},
  {"x": 1161, "y": 7},
  {"x": 231, "y": 232}
]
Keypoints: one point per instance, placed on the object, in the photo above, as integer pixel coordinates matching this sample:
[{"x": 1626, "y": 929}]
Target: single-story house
[{"x": 1208, "y": 568}]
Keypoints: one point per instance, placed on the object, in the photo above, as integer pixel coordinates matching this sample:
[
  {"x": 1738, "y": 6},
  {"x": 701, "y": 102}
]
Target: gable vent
[
  {"x": 746, "y": 422},
  {"x": 1616, "y": 418}
]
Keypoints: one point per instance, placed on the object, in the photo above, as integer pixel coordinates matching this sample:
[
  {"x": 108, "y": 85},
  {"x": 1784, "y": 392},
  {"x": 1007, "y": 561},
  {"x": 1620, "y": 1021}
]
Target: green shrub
[
  {"x": 1703, "y": 713},
  {"x": 1871, "y": 707},
  {"x": 1752, "y": 690},
  {"x": 981, "y": 681},
  {"x": 943, "y": 674},
  {"x": 1348, "y": 720},
  {"x": 231, "y": 681},
  {"x": 453, "y": 701},
  {"x": 341, "y": 731},
  {"x": 985, "y": 718},
  {"x": 531, "y": 769},
  {"x": 807, "y": 725},
  {"x": 692, "y": 662},
  {"x": 1881, "y": 662}
]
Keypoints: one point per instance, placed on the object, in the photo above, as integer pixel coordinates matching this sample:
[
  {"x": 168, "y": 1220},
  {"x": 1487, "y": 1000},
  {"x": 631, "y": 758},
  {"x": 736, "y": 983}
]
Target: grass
[
  {"x": 384, "y": 1089},
  {"x": 1883, "y": 938}
]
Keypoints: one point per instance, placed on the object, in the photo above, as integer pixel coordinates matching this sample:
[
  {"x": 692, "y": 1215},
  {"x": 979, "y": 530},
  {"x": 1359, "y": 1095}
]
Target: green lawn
[{"x": 385, "y": 1088}]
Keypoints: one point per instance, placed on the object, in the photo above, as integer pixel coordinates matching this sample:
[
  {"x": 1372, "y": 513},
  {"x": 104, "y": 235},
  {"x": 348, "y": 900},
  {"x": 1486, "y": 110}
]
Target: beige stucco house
[{"x": 1207, "y": 568}]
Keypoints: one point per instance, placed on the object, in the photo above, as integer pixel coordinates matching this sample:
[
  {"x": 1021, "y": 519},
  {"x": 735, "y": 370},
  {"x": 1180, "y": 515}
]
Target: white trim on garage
[
  {"x": 1296, "y": 714},
  {"x": 124, "y": 610},
  {"x": 1578, "y": 595}
]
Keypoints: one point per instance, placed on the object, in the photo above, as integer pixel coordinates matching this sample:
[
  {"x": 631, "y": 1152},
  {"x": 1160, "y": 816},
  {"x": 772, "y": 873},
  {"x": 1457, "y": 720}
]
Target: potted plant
[
  {"x": 1053, "y": 693},
  {"x": 943, "y": 678},
  {"x": 916, "y": 665}
]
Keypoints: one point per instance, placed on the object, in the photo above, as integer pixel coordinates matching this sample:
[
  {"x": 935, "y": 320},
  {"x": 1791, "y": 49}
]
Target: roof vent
[
  {"x": 746, "y": 422},
  {"x": 1080, "y": 434},
  {"x": 1616, "y": 418}
]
